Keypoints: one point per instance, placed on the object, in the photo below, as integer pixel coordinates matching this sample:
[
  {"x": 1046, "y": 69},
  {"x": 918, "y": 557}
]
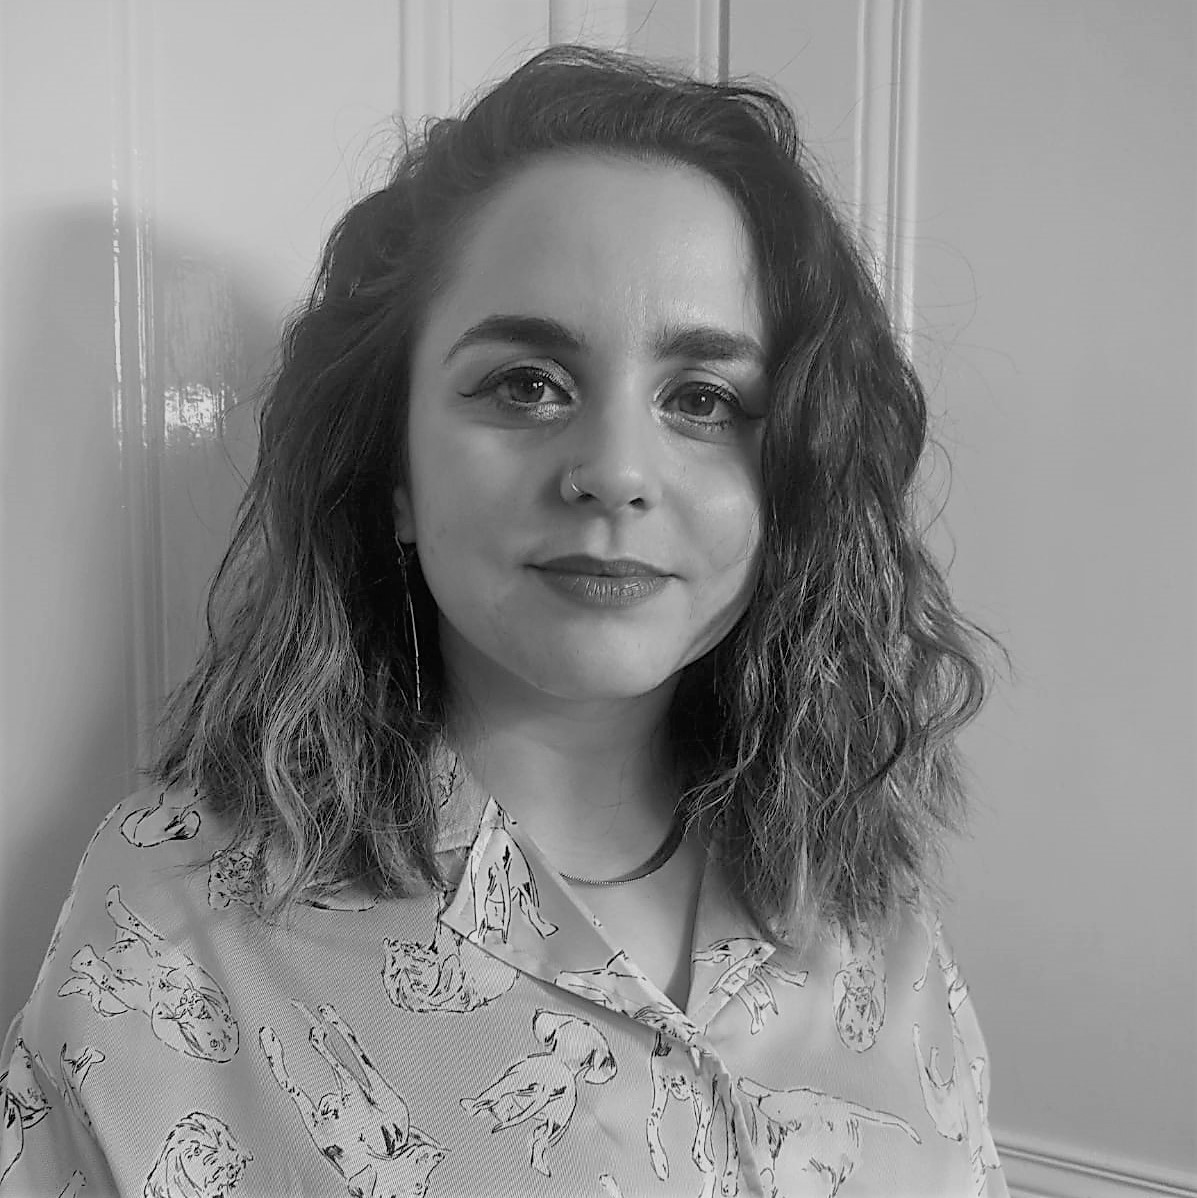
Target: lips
[
  {"x": 624, "y": 567},
  {"x": 595, "y": 582}
]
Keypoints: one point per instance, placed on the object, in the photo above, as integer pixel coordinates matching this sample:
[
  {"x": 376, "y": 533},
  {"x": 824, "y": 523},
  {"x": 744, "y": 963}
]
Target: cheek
[
  {"x": 726, "y": 521},
  {"x": 450, "y": 494},
  {"x": 439, "y": 514},
  {"x": 466, "y": 505}
]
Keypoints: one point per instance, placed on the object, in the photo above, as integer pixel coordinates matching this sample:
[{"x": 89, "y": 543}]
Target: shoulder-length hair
[{"x": 819, "y": 735}]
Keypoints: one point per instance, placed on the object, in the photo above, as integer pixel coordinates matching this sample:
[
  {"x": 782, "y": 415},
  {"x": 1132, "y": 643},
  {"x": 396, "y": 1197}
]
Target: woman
[{"x": 554, "y": 808}]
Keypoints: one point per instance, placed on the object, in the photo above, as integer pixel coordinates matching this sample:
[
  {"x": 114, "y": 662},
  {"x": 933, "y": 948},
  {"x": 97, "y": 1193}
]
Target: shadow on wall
[{"x": 73, "y": 618}]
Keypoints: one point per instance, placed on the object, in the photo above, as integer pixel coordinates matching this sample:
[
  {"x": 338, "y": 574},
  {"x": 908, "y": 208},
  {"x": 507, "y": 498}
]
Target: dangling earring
[{"x": 411, "y": 618}]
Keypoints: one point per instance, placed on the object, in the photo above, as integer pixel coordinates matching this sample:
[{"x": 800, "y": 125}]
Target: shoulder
[
  {"x": 904, "y": 978},
  {"x": 132, "y": 993},
  {"x": 140, "y": 933},
  {"x": 147, "y": 862},
  {"x": 150, "y": 842},
  {"x": 163, "y": 826},
  {"x": 915, "y": 956},
  {"x": 932, "y": 1009}
]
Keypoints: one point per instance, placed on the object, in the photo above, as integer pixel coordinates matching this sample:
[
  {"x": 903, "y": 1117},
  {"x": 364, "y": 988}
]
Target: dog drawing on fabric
[
  {"x": 937, "y": 951},
  {"x": 74, "y": 1186},
  {"x": 594, "y": 984},
  {"x": 667, "y": 1021},
  {"x": 361, "y": 1129},
  {"x": 945, "y": 1103},
  {"x": 450, "y": 974},
  {"x": 200, "y": 1159},
  {"x": 811, "y": 1136},
  {"x": 602, "y": 986},
  {"x": 941, "y": 1095},
  {"x": 74, "y": 1073},
  {"x": 713, "y": 1149},
  {"x": 985, "y": 1154},
  {"x": 68, "y": 905},
  {"x": 858, "y": 997},
  {"x": 746, "y": 976},
  {"x": 23, "y": 1104},
  {"x": 172, "y": 818},
  {"x": 144, "y": 972},
  {"x": 542, "y": 1089},
  {"x": 501, "y": 883},
  {"x": 230, "y": 879}
]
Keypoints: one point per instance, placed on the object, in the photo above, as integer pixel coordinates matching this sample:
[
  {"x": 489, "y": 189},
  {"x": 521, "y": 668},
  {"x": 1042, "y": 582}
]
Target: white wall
[
  {"x": 1043, "y": 220},
  {"x": 1027, "y": 174},
  {"x": 1059, "y": 243},
  {"x": 168, "y": 173}
]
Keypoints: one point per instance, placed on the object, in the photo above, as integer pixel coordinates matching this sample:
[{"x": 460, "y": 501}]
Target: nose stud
[{"x": 610, "y": 489}]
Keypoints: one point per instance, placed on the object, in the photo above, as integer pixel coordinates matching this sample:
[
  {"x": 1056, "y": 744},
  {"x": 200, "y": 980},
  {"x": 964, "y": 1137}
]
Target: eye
[
  {"x": 707, "y": 406},
  {"x": 523, "y": 387},
  {"x": 700, "y": 402},
  {"x": 529, "y": 390}
]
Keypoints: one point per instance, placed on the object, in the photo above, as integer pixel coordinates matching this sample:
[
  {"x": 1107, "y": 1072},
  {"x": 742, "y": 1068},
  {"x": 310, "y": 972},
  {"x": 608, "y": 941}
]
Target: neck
[{"x": 592, "y": 780}]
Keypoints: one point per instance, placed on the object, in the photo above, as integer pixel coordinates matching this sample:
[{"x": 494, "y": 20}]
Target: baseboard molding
[{"x": 1039, "y": 1169}]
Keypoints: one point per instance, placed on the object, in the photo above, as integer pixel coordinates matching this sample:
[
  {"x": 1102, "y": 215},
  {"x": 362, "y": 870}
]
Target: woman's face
[{"x": 585, "y": 429}]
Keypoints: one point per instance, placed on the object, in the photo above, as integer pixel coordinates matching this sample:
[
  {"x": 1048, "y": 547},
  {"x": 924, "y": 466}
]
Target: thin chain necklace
[{"x": 668, "y": 847}]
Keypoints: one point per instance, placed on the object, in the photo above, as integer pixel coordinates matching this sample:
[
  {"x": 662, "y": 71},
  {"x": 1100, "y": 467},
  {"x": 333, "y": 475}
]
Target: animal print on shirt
[
  {"x": 230, "y": 879},
  {"x": 74, "y": 1072},
  {"x": 605, "y": 984},
  {"x": 858, "y": 993},
  {"x": 713, "y": 1149},
  {"x": 450, "y": 974},
  {"x": 812, "y": 1140},
  {"x": 502, "y": 887},
  {"x": 76, "y": 1183},
  {"x": 23, "y": 1104},
  {"x": 172, "y": 817},
  {"x": 956, "y": 1105},
  {"x": 747, "y": 976},
  {"x": 542, "y": 1089},
  {"x": 199, "y": 1159},
  {"x": 362, "y": 1128},
  {"x": 146, "y": 973}
]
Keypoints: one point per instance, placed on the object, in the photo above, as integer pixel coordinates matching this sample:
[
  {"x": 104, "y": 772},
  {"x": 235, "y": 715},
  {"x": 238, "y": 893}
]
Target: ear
[
  {"x": 401, "y": 507},
  {"x": 545, "y": 1025}
]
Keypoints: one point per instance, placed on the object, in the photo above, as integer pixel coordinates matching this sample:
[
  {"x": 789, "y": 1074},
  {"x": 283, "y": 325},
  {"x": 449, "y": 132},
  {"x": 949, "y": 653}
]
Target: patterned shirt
[{"x": 487, "y": 1040}]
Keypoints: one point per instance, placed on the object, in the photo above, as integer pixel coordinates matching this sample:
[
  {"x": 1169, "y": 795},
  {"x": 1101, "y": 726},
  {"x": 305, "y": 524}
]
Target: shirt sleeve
[
  {"x": 972, "y": 1062},
  {"x": 48, "y": 1145},
  {"x": 45, "y": 1147},
  {"x": 126, "y": 1043}
]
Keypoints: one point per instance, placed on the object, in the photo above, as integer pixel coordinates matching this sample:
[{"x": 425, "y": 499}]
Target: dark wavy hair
[{"x": 818, "y": 736}]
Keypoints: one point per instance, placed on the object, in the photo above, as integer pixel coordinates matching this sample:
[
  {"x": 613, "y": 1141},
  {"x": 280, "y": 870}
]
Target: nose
[{"x": 615, "y": 461}]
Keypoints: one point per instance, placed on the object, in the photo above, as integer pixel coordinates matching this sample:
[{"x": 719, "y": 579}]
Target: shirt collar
[
  {"x": 461, "y": 802},
  {"x": 513, "y": 904}
]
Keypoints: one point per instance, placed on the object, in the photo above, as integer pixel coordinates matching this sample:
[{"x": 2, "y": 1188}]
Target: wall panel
[
  {"x": 67, "y": 739},
  {"x": 166, "y": 188},
  {"x": 809, "y": 51},
  {"x": 1054, "y": 268},
  {"x": 1026, "y": 176}
]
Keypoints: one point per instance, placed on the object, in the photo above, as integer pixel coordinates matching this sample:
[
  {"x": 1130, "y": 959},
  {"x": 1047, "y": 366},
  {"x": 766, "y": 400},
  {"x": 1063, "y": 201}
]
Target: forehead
[{"x": 616, "y": 246}]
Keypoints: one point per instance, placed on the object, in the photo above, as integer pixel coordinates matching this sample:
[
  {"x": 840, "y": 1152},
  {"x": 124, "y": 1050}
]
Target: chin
[{"x": 610, "y": 679}]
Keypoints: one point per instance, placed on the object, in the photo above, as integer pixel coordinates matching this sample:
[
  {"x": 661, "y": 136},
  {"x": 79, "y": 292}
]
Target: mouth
[
  {"x": 602, "y": 582},
  {"x": 581, "y": 564}
]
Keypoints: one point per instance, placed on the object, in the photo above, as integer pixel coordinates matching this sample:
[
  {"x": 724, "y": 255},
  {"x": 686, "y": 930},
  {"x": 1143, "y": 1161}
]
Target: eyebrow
[{"x": 704, "y": 343}]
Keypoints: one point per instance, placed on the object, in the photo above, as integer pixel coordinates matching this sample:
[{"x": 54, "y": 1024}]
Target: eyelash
[{"x": 491, "y": 385}]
